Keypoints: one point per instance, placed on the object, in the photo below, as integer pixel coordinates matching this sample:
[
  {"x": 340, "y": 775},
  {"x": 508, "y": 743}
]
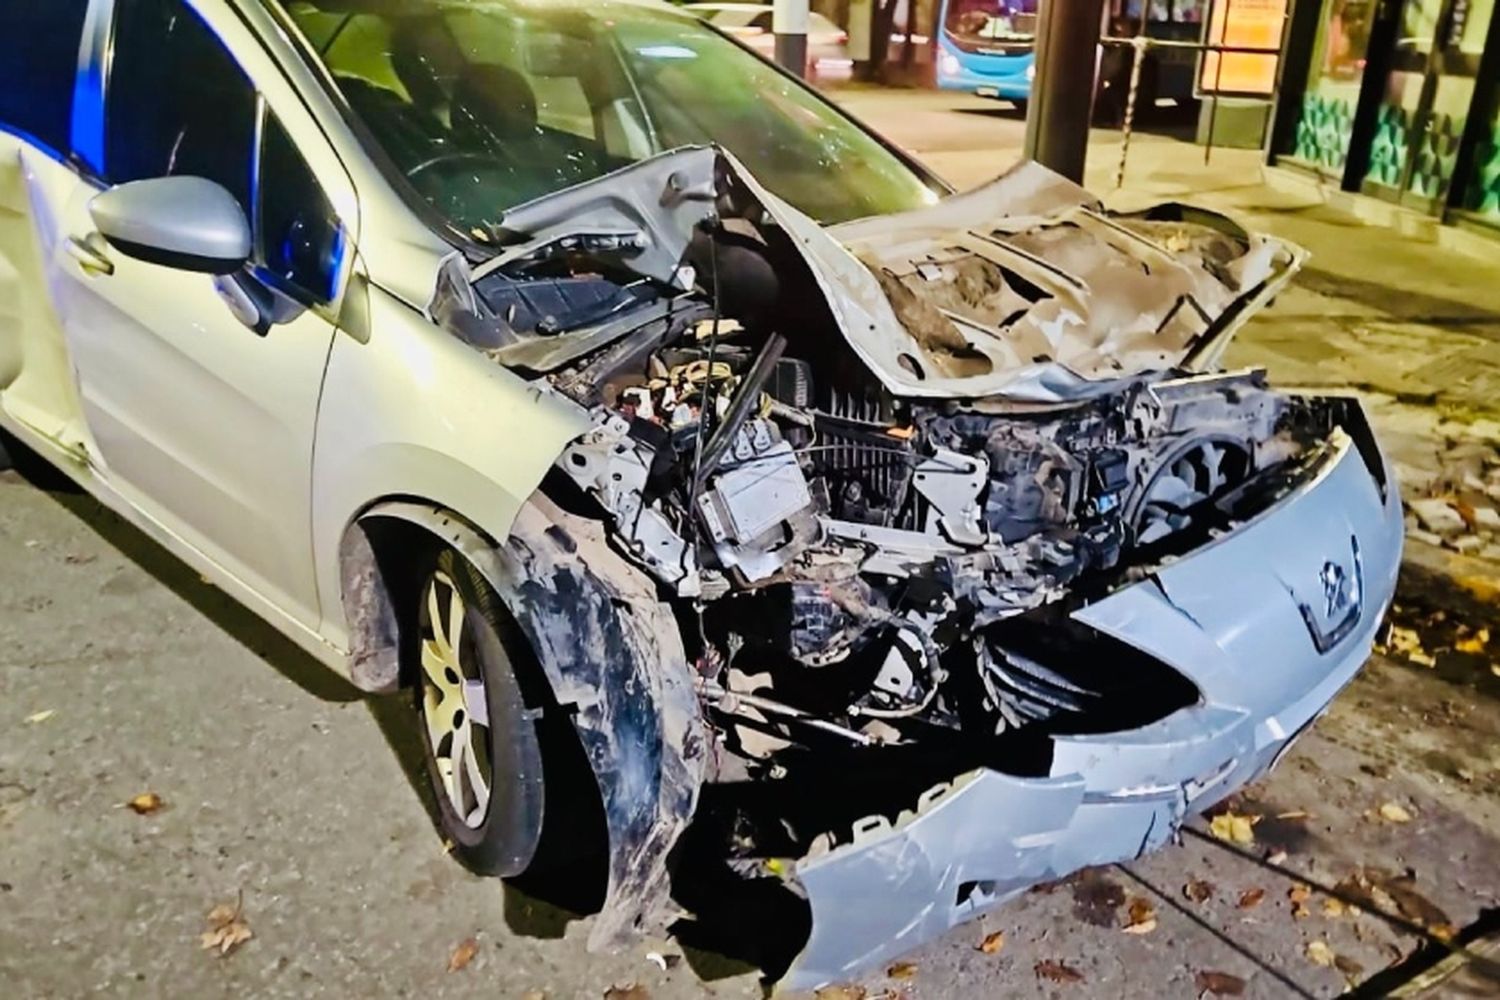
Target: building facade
[{"x": 1397, "y": 99}]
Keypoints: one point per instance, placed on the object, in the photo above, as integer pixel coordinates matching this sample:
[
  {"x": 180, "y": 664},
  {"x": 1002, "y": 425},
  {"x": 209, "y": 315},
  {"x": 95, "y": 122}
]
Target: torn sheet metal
[
  {"x": 1024, "y": 288},
  {"x": 611, "y": 649},
  {"x": 647, "y": 211}
]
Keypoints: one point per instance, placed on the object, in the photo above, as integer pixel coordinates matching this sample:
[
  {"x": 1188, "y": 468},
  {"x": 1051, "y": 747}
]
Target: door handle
[{"x": 90, "y": 255}]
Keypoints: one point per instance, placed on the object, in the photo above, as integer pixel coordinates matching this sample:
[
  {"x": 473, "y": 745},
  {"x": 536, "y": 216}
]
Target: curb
[{"x": 1405, "y": 222}]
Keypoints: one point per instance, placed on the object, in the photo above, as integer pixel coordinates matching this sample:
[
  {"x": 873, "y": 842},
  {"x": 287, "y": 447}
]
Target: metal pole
[
  {"x": 1062, "y": 95},
  {"x": 789, "y": 24},
  {"x": 1213, "y": 99},
  {"x": 1139, "y": 46}
]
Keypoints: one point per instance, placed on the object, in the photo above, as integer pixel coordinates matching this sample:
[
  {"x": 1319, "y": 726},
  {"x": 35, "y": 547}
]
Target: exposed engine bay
[
  {"x": 850, "y": 560},
  {"x": 881, "y": 474}
]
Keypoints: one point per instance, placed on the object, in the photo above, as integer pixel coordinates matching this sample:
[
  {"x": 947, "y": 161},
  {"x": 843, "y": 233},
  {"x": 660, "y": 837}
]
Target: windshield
[
  {"x": 485, "y": 104},
  {"x": 991, "y": 20}
]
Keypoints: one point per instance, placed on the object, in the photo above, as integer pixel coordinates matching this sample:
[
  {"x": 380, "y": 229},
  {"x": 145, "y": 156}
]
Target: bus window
[{"x": 990, "y": 20}]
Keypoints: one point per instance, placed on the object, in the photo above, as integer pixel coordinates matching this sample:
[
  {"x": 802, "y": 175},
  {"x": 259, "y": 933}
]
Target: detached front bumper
[{"x": 1270, "y": 622}]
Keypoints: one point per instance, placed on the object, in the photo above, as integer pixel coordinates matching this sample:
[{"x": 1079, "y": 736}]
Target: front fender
[
  {"x": 612, "y": 651},
  {"x": 415, "y": 412}
]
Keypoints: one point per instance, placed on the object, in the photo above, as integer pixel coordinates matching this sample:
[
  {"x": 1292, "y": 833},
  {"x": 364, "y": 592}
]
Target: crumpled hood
[
  {"x": 1027, "y": 289},
  {"x": 1024, "y": 289}
]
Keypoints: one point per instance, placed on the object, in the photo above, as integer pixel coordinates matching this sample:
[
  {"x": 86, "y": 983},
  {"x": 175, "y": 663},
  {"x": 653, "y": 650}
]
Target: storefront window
[
  {"x": 1416, "y": 147},
  {"x": 1323, "y": 130},
  {"x": 1482, "y": 194}
]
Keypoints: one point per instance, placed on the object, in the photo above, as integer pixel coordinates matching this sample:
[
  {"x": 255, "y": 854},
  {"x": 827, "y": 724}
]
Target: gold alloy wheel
[{"x": 454, "y": 703}]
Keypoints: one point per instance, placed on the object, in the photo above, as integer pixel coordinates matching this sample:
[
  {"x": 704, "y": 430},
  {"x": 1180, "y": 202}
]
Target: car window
[
  {"x": 481, "y": 107},
  {"x": 38, "y": 67},
  {"x": 557, "y": 90},
  {"x": 299, "y": 238},
  {"x": 177, "y": 103}
]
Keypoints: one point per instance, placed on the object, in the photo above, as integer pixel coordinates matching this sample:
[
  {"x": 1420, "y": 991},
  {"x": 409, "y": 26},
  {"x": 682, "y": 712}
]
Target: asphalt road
[{"x": 121, "y": 672}]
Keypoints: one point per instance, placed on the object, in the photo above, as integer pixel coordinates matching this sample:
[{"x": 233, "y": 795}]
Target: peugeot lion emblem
[
  {"x": 1343, "y": 585},
  {"x": 1343, "y": 600},
  {"x": 1335, "y": 589}
]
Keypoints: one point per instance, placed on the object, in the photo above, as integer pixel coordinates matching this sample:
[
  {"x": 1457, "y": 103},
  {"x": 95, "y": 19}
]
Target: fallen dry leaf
[
  {"x": 635, "y": 991},
  {"x": 1351, "y": 969},
  {"x": 1276, "y": 857},
  {"x": 463, "y": 955},
  {"x": 1333, "y": 907},
  {"x": 42, "y": 716},
  {"x": 1057, "y": 972},
  {"x": 1409, "y": 644},
  {"x": 1392, "y": 812},
  {"x": 1318, "y": 953},
  {"x": 1233, "y": 827},
  {"x": 902, "y": 970},
  {"x": 1220, "y": 984},
  {"x": 992, "y": 943},
  {"x": 534, "y": 995},
  {"x": 1198, "y": 890},
  {"x": 1298, "y": 895},
  {"x": 226, "y": 930},
  {"x": 1250, "y": 898},
  {"x": 146, "y": 803},
  {"x": 1475, "y": 643},
  {"x": 1294, "y": 814},
  {"x": 838, "y": 992},
  {"x": 226, "y": 938},
  {"x": 1140, "y": 917}
]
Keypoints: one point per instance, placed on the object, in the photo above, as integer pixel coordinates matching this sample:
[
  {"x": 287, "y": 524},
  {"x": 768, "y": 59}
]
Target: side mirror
[{"x": 187, "y": 223}]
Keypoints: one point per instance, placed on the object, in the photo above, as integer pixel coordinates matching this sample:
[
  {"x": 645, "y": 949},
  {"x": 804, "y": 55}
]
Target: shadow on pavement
[
  {"x": 1406, "y": 304},
  {"x": 1434, "y": 948},
  {"x": 1170, "y": 899},
  {"x": 279, "y": 652}
]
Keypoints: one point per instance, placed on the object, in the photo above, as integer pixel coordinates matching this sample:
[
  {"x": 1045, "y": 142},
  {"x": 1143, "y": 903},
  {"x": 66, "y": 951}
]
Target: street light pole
[
  {"x": 1062, "y": 95},
  {"x": 789, "y": 23}
]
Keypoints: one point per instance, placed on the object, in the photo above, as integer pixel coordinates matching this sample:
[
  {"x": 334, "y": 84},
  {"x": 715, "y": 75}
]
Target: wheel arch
[{"x": 609, "y": 648}]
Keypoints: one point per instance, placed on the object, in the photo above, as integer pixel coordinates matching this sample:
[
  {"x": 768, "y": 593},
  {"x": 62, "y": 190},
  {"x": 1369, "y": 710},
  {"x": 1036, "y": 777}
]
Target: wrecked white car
[{"x": 571, "y": 367}]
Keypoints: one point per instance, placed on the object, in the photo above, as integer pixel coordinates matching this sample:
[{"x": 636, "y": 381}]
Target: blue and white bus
[{"x": 987, "y": 47}]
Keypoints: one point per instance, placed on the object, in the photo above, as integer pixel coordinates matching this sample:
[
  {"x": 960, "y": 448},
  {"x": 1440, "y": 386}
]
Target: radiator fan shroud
[{"x": 1191, "y": 473}]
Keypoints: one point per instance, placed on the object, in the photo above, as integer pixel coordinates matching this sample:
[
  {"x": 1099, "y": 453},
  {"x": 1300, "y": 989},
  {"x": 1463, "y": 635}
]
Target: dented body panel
[
  {"x": 987, "y": 836},
  {"x": 612, "y": 652}
]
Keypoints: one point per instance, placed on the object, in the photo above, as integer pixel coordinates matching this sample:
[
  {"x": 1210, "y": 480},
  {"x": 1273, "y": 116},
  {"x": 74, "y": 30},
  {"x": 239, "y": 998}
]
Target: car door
[{"x": 200, "y": 414}]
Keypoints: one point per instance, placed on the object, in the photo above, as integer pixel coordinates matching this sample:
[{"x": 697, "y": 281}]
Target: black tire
[{"x": 500, "y": 834}]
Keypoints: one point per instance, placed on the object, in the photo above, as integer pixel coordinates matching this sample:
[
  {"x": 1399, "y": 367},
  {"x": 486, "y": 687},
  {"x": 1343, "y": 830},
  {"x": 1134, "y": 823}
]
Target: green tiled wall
[
  {"x": 1483, "y": 195},
  {"x": 1323, "y": 131}
]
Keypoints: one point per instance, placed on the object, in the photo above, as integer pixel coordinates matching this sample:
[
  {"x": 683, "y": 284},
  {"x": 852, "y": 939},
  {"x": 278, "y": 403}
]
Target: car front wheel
[{"x": 479, "y": 736}]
